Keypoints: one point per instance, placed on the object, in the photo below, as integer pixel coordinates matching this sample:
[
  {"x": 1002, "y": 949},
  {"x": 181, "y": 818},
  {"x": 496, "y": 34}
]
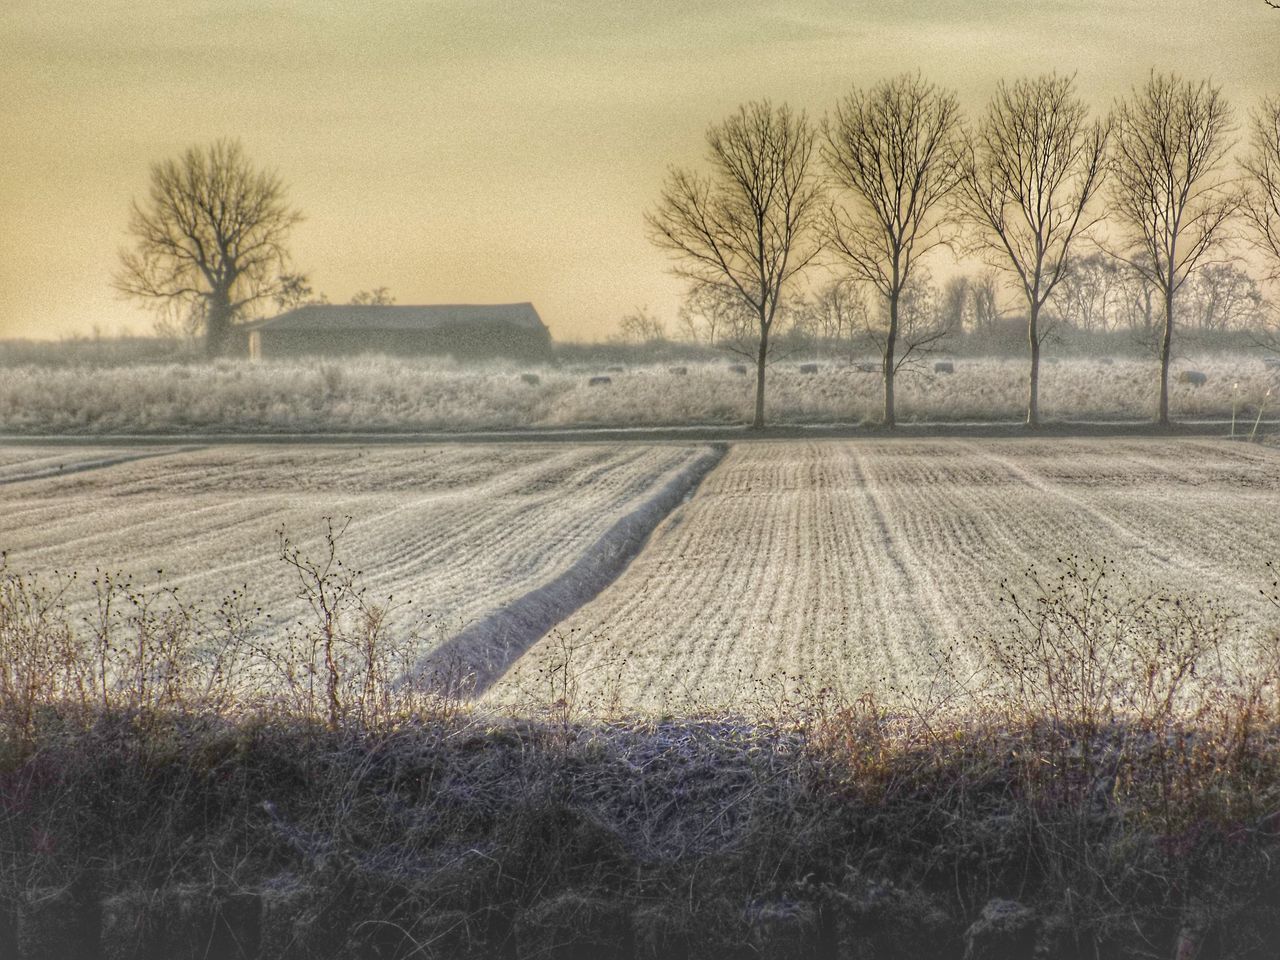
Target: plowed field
[
  {"x": 855, "y": 564},
  {"x": 858, "y": 563},
  {"x": 457, "y": 530}
]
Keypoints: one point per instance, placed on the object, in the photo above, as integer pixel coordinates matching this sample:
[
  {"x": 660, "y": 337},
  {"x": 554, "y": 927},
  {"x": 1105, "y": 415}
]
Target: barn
[{"x": 464, "y": 331}]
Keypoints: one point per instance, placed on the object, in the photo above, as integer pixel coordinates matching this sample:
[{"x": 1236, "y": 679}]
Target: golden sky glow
[{"x": 483, "y": 151}]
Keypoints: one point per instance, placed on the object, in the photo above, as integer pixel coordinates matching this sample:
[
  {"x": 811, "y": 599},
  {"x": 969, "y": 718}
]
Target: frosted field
[
  {"x": 849, "y": 563},
  {"x": 457, "y": 530},
  {"x": 856, "y": 563}
]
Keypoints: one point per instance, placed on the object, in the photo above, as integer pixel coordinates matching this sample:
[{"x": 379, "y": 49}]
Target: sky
[{"x": 483, "y": 151}]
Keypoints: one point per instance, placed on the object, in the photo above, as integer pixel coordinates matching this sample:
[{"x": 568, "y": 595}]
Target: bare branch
[{"x": 1262, "y": 199}]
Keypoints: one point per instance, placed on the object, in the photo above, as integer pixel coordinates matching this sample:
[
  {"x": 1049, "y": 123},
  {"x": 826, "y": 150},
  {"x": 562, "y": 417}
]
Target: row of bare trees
[
  {"x": 1097, "y": 295},
  {"x": 1101, "y": 295},
  {"x": 894, "y": 172}
]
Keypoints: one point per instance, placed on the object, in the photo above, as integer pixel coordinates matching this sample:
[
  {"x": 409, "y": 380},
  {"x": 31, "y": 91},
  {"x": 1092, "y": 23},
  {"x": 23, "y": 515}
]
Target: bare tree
[
  {"x": 1030, "y": 170},
  {"x": 716, "y": 315},
  {"x": 295, "y": 290},
  {"x": 1089, "y": 291},
  {"x": 1172, "y": 198},
  {"x": 1262, "y": 201},
  {"x": 1223, "y": 297},
  {"x": 835, "y": 313},
  {"x": 688, "y": 327},
  {"x": 641, "y": 326},
  {"x": 210, "y": 238},
  {"x": 1138, "y": 308},
  {"x": 747, "y": 229},
  {"x": 891, "y": 153},
  {"x": 987, "y": 314},
  {"x": 957, "y": 302},
  {"x": 377, "y": 297}
]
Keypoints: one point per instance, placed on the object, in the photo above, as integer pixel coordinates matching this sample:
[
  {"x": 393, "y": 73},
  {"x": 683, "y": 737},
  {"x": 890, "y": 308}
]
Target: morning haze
[
  {"x": 484, "y": 151},
  {"x": 646, "y": 480}
]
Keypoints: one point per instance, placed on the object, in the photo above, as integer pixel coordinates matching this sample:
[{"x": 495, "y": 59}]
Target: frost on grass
[
  {"x": 859, "y": 565},
  {"x": 380, "y": 393}
]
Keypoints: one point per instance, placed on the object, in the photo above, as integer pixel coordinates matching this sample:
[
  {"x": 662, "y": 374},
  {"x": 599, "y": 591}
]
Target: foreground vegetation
[{"x": 168, "y": 787}]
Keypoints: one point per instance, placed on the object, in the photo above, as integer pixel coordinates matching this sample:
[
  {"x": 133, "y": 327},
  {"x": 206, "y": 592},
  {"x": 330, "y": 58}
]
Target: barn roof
[{"x": 327, "y": 316}]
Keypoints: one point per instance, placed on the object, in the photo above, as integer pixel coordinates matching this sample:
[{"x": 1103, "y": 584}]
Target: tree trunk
[
  {"x": 758, "y": 422},
  {"x": 217, "y": 330},
  {"x": 1165, "y": 355},
  {"x": 890, "y": 343},
  {"x": 1033, "y": 391}
]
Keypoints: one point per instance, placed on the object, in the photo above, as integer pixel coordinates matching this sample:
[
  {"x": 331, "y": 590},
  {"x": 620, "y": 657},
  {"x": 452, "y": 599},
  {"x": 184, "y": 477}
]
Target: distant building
[{"x": 461, "y": 330}]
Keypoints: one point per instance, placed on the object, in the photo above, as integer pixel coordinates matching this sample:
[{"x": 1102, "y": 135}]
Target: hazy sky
[{"x": 483, "y": 151}]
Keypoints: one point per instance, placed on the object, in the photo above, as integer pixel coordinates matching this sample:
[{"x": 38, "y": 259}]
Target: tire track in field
[
  {"x": 65, "y": 470},
  {"x": 485, "y": 651},
  {"x": 463, "y": 533}
]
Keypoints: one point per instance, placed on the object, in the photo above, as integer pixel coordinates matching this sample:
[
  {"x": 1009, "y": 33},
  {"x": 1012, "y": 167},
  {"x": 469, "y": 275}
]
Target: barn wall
[{"x": 472, "y": 341}]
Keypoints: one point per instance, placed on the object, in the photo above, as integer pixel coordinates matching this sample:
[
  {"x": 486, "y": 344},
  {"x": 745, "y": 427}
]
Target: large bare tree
[
  {"x": 891, "y": 155},
  {"x": 1030, "y": 170},
  {"x": 747, "y": 228},
  {"x": 210, "y": 239},
  {"x": 1262, "y": 201},
  {"x": 1172, "y": 197}
]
